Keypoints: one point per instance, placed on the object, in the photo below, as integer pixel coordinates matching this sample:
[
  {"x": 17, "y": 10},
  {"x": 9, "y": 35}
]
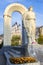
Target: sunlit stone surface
[
  {"x": 7, "y": 20},
  {"x": 28, "y": 20},
  {"x": 29, "y": 23}
]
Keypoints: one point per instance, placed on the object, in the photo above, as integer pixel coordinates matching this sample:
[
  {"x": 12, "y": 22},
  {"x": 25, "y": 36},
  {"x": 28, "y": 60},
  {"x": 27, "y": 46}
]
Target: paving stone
[{"x": 2, "y": 59}]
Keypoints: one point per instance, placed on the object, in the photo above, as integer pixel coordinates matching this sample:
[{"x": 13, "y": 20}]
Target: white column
[{"x": 7, "y": 30}]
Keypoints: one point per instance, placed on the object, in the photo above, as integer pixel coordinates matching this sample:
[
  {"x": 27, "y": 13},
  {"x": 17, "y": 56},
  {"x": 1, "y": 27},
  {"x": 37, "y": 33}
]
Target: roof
[{"x": 16, "y": 24}]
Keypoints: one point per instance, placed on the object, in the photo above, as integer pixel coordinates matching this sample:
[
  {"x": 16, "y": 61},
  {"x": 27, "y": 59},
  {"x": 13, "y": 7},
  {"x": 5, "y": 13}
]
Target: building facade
[
  {"x": 1, "y": 38},
  {"x": 39, "y": 31},
  {"x": 17, "y": 31}
]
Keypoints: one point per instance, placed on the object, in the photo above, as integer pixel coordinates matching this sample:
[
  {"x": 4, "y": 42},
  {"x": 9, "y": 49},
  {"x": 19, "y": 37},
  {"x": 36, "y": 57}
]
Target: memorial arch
[
  {"x": 7, "y": 20},
  {"x": 28, "y": 21}
]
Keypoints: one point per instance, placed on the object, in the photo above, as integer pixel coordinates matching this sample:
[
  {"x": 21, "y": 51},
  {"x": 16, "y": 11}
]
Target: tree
[
  {"x": 15, "y": 40},
  {"x": 40, "y": 39}
]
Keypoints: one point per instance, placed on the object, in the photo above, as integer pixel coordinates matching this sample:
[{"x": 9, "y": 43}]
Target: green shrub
[
  {"x": 40, "y": 40},
  {"x": 15, "y": 43},
  {"x": 15, "y": 40}
]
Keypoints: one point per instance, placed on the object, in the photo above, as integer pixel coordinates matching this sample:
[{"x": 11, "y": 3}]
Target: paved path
[
  {"x": 39, "y": 52},
  {"x": 2, "y": 59}
]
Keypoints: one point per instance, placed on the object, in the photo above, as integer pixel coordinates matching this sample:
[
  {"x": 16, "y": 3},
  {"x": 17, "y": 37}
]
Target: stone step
[
  {"x": 15, "y": 51},
  {"x": 13, "y": 54},
  {"x": 2, "y": 59},
  {"x": 7, "y": 55},
  {"x": 7, "y": 58}
]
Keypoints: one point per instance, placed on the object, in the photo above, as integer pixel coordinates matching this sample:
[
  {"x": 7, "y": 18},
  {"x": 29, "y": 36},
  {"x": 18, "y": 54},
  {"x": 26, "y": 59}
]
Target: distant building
[
  {"x": 39, "y": 31},
  {"x": 16, "y": 30},
  {"x": 1, "y": 38}
]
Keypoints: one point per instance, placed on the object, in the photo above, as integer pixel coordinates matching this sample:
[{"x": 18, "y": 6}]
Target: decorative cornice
[
  {"x": 7, "y": 16},
  {"x": 30, "y": 19}
]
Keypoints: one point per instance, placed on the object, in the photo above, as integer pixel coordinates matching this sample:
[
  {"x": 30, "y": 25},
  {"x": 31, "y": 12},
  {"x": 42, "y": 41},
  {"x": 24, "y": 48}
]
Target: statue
[{"x": 29, "y": 23}]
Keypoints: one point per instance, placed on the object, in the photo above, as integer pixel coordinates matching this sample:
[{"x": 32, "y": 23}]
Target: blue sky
[{"x": 37, "y": 6}]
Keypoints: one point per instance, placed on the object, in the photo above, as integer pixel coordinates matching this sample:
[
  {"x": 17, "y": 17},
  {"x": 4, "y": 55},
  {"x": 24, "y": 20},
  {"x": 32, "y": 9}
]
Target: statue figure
[{"x": 29, "y": 23}]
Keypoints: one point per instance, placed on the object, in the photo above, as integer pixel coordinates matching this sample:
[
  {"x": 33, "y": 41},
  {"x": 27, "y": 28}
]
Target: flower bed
[{"x": 24, "y": 61}]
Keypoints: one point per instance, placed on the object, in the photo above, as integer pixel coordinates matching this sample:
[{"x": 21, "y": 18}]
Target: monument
[
  {"x": 28, "y": 20},
  {"x": 7, "y": 20},
  {"x": 29, "y": 23}
]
